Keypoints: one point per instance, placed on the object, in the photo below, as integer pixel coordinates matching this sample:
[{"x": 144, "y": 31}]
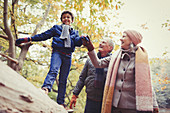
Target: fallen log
[{"x": 18, "y": 95}]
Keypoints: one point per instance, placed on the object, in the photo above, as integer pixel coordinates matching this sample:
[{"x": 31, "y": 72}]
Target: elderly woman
[{"x": 128, "y": 87}]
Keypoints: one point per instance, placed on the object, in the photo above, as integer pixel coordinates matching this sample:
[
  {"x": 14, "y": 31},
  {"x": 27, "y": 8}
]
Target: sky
[{"x": 153, "y": 13}]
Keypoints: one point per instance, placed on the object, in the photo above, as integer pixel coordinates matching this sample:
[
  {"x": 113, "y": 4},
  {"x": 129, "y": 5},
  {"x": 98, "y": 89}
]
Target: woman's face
[{"x": 125, "y": 42}]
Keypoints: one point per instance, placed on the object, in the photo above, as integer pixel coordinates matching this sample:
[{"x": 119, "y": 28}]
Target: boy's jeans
[{"x": 58, "y": 62}]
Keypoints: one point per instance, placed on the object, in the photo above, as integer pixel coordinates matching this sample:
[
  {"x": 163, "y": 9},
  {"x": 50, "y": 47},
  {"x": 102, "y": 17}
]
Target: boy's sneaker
[
  {"x": 45, "y": 90},
  {"x": 68, "y": 110}
]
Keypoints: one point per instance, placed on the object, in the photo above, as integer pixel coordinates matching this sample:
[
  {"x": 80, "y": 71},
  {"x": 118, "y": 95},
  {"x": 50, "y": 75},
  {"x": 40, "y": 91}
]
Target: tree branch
[
  {"x": 30, "y": 43},
  {"x": 13, "y": 17},
  {"x": 9, "y": 58},
  {"x": 82, "y": 57},
  {"x": 25, "y": 48},
  {"x": 2, "y": 29},
  {"x": 36, "y": 62},
  {"x": 44, "y": 45},
  {"x": 9, "y": 34},
  {"x": 23, "y": 33},
  {"x": 13, "y": 21},
  {"x": 4, "y": 37},
  {"x": 42, "y": 21},
  {"x": 14, "y": 2}
]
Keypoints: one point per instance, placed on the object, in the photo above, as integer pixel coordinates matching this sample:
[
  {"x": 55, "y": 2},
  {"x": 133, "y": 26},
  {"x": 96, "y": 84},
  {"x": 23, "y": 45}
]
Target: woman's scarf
[{"x": 144, "y": 101}]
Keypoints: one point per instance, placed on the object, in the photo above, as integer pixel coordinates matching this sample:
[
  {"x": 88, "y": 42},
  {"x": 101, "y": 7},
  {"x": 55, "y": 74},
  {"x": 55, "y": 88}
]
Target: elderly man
[{"x": 94, "y": 79}]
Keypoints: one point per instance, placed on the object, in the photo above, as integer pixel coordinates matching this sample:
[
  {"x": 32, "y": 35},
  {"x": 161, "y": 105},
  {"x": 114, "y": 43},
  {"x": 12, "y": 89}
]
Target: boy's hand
[
  {"x": 22, "y": 40},
  {"x": 73, "y": 101},
  {"x": 87, "y": 43},
  {"x": 85, "y": 40}
]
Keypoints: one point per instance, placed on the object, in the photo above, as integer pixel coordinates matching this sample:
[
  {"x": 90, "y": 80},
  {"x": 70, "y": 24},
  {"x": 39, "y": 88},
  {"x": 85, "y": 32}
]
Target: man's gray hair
[{"x": 109, "y": 41}]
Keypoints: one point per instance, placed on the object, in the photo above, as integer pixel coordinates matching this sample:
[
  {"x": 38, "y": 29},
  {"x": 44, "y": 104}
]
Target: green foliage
[
  {"x": 34, "y": 73},
  {"x": 33, "y": 2},
  {"x": 4, "y": 44},
  {"x": 36, "y": 65},
  {"x": 166, "y": 24},
  {"x": 90, "y": 16}
]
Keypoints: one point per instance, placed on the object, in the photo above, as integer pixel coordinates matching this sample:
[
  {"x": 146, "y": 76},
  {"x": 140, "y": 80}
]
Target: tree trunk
[
  {"x": 11, "y": 39},
  {"x": 25, "y": 48},
  {"x": 11, "y": 51},
  {"x": 19, "y": 95}
]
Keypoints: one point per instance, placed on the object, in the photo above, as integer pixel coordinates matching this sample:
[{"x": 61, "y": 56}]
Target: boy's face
[{"x": 66, "y": 19}]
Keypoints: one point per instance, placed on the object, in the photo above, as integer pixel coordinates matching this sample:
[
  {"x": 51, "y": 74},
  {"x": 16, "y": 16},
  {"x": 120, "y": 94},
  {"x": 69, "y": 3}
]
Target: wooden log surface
[{"x": 18, "y": 95}]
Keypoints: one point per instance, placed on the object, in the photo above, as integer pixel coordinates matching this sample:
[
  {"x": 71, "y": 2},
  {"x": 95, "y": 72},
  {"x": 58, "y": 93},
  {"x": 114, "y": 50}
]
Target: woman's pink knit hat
[{"x": 135, "y": 36}]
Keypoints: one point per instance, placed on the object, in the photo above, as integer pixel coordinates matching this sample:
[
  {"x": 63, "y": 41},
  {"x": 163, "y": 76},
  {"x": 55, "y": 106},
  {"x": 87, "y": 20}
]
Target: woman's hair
[{"x": 65, "y": 12}]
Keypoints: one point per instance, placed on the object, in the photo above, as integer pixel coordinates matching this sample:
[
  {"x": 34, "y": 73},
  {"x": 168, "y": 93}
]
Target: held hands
[
  {"x": 87, "y": 42},
  {"x": 22, "y": 40},
  {"x": 73, "y": 101}
]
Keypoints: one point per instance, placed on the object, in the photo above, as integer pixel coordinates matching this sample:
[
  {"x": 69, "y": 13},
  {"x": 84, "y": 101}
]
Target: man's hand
[
  {"x": 155, "y": 110},
  {"x": 22, "y": 40},
  {"x": 87, "y": 43},
  {"x": 73, "y": 101}
]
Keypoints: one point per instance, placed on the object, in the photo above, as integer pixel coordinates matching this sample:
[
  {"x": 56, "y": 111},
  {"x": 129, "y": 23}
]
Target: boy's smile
[{"x": 66, "y": 19}]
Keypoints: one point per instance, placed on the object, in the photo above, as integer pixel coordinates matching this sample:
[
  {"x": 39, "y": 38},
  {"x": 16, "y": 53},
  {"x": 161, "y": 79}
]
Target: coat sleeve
[
  {"x": 80, "y": 84},
  {"x": 54, "y": 31},
  {"x": 77, "y": 39},
  {"x": 99, "y": 63}
]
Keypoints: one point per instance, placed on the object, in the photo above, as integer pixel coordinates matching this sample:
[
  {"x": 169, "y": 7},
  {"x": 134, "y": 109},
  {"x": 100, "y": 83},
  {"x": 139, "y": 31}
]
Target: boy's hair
[{"x": 65, "y": 12}]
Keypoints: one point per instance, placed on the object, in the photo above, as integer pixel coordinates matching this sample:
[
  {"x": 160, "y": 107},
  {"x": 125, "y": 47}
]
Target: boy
[{"x": 65, "y": 39}]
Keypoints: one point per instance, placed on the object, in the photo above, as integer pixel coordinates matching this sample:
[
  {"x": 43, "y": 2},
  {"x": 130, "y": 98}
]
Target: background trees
[
  {"x": 160, "y": 79},
  {"x": 22, "y": 18}
]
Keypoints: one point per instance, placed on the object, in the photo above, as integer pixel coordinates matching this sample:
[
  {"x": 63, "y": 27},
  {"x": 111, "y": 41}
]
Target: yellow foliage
[
  {"x": 157, "y": 90},
  {"x": 4, "y": 44},
  {"x": 116, "y": 47},
  {"x": 79, "y": 65},
  {"x": 162, "y": 88},
  {"x": 36, "y": 80},
  {"x": 73, "y": 61},
  {"x": 96, "y": 44},
  {"x": 26, "y": 17},
  {"x": 114, "y": 33},
  {"x": 116, "y": 7},
  {"x": 83, "y": 49}
]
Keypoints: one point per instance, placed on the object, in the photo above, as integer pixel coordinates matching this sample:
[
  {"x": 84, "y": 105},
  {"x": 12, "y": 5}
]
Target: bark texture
[{"x": 19, "y": 95}]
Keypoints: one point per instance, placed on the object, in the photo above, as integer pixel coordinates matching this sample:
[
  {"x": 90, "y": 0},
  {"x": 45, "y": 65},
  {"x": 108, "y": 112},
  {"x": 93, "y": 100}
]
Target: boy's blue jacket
[{"x": 57, "y": 43}]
